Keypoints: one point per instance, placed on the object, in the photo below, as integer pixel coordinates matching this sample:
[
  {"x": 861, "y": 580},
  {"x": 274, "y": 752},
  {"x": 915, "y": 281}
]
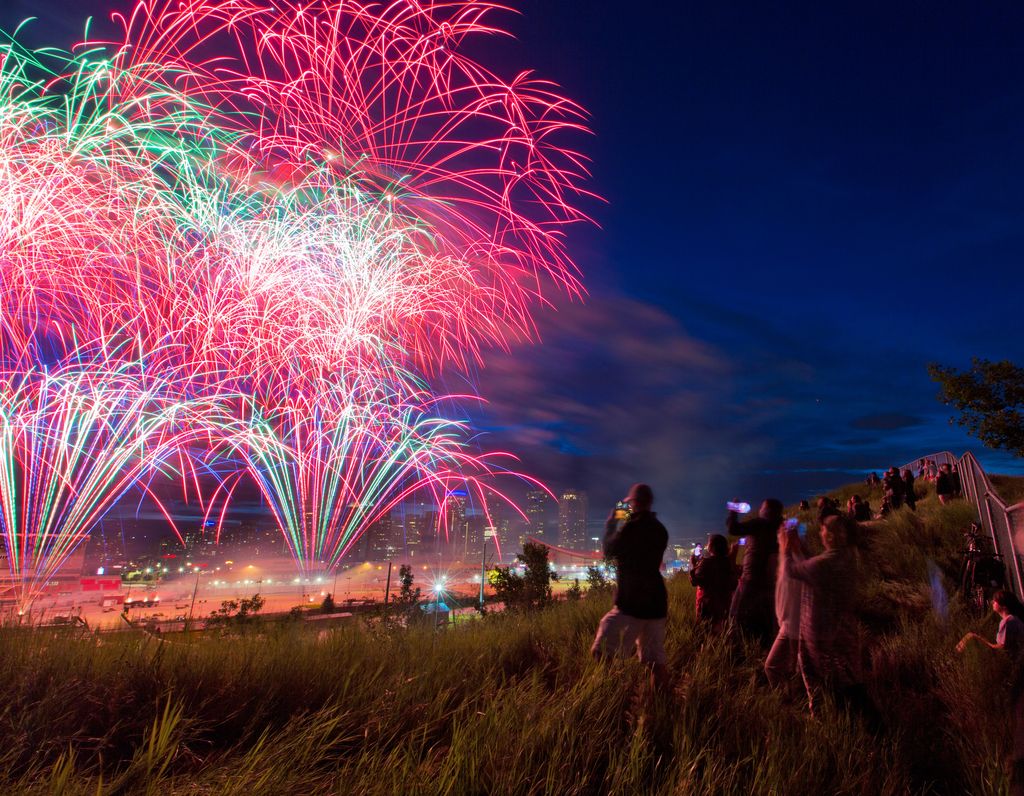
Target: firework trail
[
  {"x": 290, "y": 217},
  {"x": 71, "y": 443}
]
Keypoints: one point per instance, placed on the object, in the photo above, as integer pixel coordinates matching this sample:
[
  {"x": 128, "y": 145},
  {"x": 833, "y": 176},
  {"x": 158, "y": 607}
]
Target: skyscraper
[
  {"x": 459, "y": 541},
  {"x": 380, "y": 539},
  {"x": 541, "y": 512},
  {"x": 572, "y": 519}
]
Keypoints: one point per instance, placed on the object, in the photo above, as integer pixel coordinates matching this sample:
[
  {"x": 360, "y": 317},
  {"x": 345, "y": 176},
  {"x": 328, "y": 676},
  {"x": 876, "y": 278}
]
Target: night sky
[{"x": 806, "y": 204}]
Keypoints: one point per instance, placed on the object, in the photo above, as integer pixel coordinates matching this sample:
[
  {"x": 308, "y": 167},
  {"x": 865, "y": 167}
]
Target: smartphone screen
[{"x": 622, "y": 510}]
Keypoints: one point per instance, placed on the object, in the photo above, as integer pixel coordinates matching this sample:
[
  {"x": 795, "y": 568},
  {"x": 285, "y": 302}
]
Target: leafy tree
[
  {"x": 574, "y": 593},
  {"x": 532, "y": 589},
  {"x": 990, "y": 400},
  {"x": 236, "y": 612},
  {"x": 403, "y": 607},
  {"x": 328, "y": 606},
  {"x": 408, "y": 597},
  {"x": 248, "y": 608}
]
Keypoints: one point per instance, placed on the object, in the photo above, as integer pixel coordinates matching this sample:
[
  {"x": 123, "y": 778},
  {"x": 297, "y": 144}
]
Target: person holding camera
[
  {"x": 753, "y": 603},
  {"x": 638, "y": 617}
]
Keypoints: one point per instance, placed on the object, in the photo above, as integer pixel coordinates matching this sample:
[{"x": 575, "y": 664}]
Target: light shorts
[{"x": 619, "y": 634}]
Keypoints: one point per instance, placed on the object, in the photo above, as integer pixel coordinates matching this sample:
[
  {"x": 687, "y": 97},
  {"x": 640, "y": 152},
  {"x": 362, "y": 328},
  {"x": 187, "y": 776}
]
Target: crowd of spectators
[
  {"x": 790, "y": 597},
  {"x": 797, "y": 607}
]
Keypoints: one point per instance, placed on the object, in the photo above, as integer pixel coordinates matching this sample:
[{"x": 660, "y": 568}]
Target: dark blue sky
[{"x": 807, "y": 203}]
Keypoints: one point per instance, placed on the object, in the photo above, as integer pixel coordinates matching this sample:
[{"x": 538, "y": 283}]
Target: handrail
[{"x": 1002, "y": 523}]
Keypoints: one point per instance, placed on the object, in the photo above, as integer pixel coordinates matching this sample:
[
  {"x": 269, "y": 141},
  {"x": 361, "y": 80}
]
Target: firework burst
[{"x": 257, "y": 231}]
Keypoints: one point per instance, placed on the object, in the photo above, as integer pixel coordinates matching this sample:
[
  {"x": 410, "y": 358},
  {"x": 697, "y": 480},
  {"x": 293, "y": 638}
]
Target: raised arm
[{"x": 612, "y": 536}]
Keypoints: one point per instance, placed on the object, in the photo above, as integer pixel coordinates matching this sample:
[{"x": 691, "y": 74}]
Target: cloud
[{"x": 617, "y": 392}]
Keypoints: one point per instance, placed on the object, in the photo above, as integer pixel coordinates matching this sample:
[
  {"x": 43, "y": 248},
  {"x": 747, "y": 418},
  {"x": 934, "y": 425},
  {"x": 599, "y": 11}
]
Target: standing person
[
  {"x": 754, "y": 600},
  {"x": 908, "y": 489},
  {"x": 958, "y": 487},
  {"x": 893, "y": 487},
  {"x": 640, "y": 611},
  {"x": 781, "y": 663},
  {"x": 944, "y": 486},
  {"x": 714, "y": 575},
  {"x": 828, "y": 655}
]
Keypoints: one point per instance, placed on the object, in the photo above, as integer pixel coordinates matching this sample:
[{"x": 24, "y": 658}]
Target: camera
[{"x": 622, "y": 510}]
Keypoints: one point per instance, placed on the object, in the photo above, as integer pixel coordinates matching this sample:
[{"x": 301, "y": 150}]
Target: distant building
[
  {"x": 498, "y": 523},
  {"x": 542, "y": 514},
  {"x": 461, "y": 544},
  {"x": 572, "y": 520},
  {"x": 381, "y": 543},
  {"x": 105, "y": 548}
]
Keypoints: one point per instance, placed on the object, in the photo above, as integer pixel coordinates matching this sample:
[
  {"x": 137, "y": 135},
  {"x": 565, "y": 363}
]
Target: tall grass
[{"x": 509, "y": 705}]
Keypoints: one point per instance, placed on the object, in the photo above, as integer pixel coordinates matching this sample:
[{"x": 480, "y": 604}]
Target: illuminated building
[
  {"x": 542, "y": 514},
  {"x": 572, "y": 519}
]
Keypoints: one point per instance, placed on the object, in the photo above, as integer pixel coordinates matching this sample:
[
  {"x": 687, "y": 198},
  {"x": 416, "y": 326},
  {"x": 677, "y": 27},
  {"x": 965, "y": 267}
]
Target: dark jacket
[
  {"x": 637, "y": 549},
  {"x": 762, "y": 550},
  {"x": 715, "y": 577}
]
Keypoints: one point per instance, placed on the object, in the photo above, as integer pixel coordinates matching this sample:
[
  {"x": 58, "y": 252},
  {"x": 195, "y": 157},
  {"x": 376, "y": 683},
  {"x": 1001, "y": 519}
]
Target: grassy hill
[{"x": 509, "y": 705}]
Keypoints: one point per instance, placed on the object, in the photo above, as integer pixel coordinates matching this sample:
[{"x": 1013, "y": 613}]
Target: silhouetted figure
[
  {"x": 637, "y": 619},
  {"x": 827, "y": 507},
  {"x": 873, "y": 480},
  {"x": 893, "y": 487},
  {"x": 944, "y": 485},
  {"x": 714, "y": 575},
  {"x": 858, "y": 510},
  {"x": 909, "y": 497},
  {"x": 754, "y": 600},
  {"x": 804, "y": 505}
]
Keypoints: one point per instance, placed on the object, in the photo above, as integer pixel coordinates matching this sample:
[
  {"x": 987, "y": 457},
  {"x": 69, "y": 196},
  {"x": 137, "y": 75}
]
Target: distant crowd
[{"x": 898, "y": 489}]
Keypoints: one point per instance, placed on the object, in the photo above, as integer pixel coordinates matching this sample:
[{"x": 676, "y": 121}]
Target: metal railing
[{"x": 1003, "y": 523}]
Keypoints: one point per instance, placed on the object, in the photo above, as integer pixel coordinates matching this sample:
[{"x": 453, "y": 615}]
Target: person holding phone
[
  {"x": 753, "y": 603},
  {"x": 828, "y": 651},
  {"x": 780, "y": 667},
  {"x": 638, "y": 617}
]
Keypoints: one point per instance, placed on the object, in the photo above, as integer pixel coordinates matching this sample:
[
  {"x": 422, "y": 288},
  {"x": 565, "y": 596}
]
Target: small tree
[
  {"x": 532, "y": 589},
  {"x": 327, "y": 606},
  {"x": 597, "y": 581},
  {"x": 574, "y": 593},
  {"x": 990, "y": 399},
  {"x": 403, "y": 606},
  {"x": 408, "y": 596}
]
